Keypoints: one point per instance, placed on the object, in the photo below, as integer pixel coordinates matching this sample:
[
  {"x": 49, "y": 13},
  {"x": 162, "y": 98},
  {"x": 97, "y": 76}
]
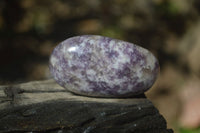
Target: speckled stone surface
[{"x": 100, "y": 66}]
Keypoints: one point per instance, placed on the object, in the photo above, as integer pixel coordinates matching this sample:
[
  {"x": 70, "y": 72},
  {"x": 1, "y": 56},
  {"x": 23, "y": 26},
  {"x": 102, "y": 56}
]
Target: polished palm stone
[{"x": 93, "y": 65}]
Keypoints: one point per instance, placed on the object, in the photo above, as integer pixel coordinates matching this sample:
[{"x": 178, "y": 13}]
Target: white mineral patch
[
  {"x": 71, "y": 49},
  {"x": 53, "y": 61},
  {"x": 150, "y": 60}
]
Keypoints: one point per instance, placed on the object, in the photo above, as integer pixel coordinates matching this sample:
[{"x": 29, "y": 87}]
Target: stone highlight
[{"x": 98, "y": 66}]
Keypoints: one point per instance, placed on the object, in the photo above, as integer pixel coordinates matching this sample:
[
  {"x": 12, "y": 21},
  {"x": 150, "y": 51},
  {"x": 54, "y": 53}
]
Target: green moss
[
  {"x": 184, "y": 130},
  {"x": 113, "y": 32}
]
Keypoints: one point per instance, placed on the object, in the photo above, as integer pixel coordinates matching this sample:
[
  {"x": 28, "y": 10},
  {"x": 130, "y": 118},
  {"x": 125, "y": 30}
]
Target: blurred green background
[{"x": 30, "y": 29}]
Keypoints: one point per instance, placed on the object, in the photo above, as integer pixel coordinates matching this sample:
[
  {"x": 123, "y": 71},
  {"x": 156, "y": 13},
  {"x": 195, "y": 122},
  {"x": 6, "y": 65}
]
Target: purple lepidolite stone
[{"x": 100, "y": 66}]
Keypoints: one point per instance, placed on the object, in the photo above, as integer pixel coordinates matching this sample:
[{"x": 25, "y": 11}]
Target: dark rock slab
[{"x": 44, "y": 106}]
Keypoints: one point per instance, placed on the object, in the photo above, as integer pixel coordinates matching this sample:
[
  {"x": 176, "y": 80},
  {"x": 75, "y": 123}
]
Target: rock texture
[
  {"x": 44, "y": 106},
  {"x": 100, "y": 66}
]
